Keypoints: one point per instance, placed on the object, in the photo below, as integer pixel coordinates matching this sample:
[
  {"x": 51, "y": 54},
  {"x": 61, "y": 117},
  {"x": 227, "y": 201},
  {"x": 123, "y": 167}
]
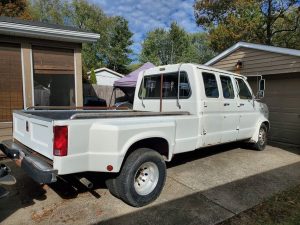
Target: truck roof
[{"x": 199, "y": 66}]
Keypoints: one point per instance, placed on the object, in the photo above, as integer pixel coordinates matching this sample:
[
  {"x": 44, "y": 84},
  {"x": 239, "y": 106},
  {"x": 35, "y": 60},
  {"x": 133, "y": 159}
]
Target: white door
[
  {"x": 248, "y": 115},
  {"x": 212, "y": 118},
  {"x": 229, "y": 110}
]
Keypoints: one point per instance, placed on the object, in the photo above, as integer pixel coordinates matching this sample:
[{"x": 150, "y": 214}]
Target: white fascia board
[
  {"x": 48, "y": 33},
  {"x": 267, "y": 48},
  {"x": 108, "y": 70}
]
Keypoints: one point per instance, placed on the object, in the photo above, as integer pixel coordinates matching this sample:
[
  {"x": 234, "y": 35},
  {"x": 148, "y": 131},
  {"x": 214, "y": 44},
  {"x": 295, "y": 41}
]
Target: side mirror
[
  {"x": 261, "y": 88},
  {"x": 262, "y": 84}
]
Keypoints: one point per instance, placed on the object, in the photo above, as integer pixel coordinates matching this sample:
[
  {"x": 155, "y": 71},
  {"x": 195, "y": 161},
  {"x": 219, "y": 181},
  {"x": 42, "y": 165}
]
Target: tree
[
  {"x": 48, "y": 11},
  {"x": 111, "y": 50},
  {"x": 174, "y": 46},
  {"x": 156, "y": 47},
  {"x": 119, "y": 42},
  {"x": 165, "y": 47},
  {"x": 14, "y": 8},
  {"x": 200, "y": 51},
  {"x": 259, "y": 21},
  {"x": 93, "y": 79}
]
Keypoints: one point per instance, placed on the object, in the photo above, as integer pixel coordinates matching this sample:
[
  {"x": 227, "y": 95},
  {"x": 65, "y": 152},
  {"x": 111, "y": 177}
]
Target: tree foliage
[
  {"x": 93, "y": 79},
  {"x": 259, "y": 21},
  {"x": 175, "y": 45},
  {"x": 47, "y": 11},
  {"x": 14, "y": 8},
  {"x": 111, "y": 50}
]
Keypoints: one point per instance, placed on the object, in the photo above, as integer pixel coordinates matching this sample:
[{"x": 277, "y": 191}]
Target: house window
[
  {"x": 150, "y": 89},
  {"x": 53, "y": 77}
]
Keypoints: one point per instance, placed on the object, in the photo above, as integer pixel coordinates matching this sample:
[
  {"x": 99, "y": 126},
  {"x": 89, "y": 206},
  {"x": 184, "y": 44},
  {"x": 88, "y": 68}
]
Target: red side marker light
[{"x": 109, "y": 168}]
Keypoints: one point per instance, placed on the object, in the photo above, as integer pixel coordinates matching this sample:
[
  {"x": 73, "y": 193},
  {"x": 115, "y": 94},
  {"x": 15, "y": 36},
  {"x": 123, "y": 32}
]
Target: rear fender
[{"x": 150, "y": 134}]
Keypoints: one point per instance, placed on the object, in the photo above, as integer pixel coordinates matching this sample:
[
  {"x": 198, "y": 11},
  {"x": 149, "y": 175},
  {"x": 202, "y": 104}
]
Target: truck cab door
[
  {"x": 211, "y": 118},
  {"x": 247, "y": 112},
  {"x": 229, "y": 110}
]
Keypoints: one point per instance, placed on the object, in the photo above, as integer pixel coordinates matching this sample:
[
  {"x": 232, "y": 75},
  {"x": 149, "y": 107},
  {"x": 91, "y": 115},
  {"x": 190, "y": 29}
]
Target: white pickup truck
[{"x": 206, "y": 107}]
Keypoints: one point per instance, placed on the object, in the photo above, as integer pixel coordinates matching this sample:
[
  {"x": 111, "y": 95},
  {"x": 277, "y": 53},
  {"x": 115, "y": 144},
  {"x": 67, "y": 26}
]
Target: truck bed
[
  {"x": 50, "y": 115},
  {"x": 34, "y": 128}
]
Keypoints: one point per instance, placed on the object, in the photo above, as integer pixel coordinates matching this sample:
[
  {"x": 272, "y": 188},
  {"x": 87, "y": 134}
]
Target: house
[
  {"x": 281, "y": 69},
  {"x": 40, "y": 65},
  {"x": 106, "y": 77}
]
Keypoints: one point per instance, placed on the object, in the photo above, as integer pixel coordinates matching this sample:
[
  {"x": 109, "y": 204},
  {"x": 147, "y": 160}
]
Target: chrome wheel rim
[
  {"x": 146, "y": 178},
  {"x": 262, "y": 136}
]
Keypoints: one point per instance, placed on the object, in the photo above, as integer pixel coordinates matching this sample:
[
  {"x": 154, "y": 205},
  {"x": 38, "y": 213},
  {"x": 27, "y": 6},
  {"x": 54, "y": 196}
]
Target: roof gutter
[{"x": 47, "y": 33}]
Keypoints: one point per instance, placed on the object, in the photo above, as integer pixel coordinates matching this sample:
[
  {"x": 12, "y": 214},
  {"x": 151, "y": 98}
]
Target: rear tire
[
  {"x": 142, "y": 177},
  {"x": 112, "y": 186},
  {"x": 260, "y": 145}
]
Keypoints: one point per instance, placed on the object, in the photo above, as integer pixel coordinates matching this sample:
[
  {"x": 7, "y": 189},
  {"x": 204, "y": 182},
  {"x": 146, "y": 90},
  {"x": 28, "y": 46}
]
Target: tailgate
[{"x": 34, "y": 133}]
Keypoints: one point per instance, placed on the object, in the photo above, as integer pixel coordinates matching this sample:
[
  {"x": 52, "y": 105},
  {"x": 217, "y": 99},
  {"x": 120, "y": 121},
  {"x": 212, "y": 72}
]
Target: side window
[
  {"x": 151, "y": 87},
  {"x": 210, "y": 85},
  {"x": 244, "y": 91},
  {"x": 227, "y": 87}
]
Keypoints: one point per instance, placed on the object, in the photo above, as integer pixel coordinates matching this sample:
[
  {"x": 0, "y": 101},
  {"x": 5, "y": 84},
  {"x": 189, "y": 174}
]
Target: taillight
[{"x": 60, "y": 141}]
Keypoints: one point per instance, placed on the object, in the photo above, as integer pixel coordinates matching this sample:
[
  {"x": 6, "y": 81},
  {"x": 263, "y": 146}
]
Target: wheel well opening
[
  {"x": 267, "y": 124},
  {"x": 157, "y": 144}
]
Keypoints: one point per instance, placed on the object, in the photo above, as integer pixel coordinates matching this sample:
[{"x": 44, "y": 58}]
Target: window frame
[
  {"x": 232, "y": 83},
  {"x": 238, "y": 88},
  {"x": 211, "y": 73},
  {"x": 164, "y": 98}
]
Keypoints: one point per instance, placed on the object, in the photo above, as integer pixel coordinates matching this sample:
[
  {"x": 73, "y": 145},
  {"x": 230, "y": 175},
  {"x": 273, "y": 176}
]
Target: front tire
[
  {"x": 142, "y": 177},
  {"x": 260, "y": 145}
]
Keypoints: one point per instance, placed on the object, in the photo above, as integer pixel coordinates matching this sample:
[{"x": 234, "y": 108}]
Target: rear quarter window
[{"x": 151, "y": 85}]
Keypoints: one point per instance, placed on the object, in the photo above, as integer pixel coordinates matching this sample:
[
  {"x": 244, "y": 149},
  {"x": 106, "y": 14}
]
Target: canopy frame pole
[{"x": 143, "y": 83}]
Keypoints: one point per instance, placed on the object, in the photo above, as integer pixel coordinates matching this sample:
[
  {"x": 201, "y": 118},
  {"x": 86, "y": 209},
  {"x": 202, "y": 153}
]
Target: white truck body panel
[
  {"x": 95, "y": 143},
  {"x": 34, "y": 133}
]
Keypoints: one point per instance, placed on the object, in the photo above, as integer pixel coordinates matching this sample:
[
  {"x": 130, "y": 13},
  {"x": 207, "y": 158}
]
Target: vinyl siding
[
  {"x": 5, "y": 131},
  {"x": 257, "y": 62}
]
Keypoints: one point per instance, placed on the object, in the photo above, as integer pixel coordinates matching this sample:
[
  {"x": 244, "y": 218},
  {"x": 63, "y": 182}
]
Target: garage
[
  {"x": 282, "y": 97},
  {"x": 281, "y": 69},
  {"x": 40, "y": 66},
  {"x": 11, "y": 91}
]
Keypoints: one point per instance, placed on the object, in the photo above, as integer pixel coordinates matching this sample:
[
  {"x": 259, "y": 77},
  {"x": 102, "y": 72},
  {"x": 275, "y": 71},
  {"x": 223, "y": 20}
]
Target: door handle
[
  {"x": 242, "y": 104},
  {"x": 226, "y": 104}
]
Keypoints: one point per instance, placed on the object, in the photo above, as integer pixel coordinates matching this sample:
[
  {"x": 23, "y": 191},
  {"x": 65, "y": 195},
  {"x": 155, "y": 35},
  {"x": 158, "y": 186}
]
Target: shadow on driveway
[
  {"x": 216, "y": 204},
  {"x": 203, "y": 207}
]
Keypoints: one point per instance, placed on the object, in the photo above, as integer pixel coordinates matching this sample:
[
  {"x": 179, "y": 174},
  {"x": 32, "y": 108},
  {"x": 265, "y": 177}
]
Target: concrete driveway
[{"x": 203, "y": 187}]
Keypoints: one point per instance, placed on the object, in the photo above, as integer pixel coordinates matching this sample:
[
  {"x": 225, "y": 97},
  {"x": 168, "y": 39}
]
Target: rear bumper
[{"x": 37, "y": 168}]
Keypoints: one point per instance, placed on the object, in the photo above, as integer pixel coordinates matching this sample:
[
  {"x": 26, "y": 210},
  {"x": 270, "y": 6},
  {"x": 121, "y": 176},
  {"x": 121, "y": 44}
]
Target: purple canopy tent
[
  {"x": 130, "y": 79},
  {"x": 127, "y": 84}
]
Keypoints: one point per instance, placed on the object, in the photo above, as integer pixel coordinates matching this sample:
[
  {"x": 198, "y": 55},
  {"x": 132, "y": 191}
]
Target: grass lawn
[{"x": 283, "y": 209}]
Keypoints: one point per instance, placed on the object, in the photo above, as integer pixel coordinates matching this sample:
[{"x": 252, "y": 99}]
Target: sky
[{"x": 145, "y": 15}]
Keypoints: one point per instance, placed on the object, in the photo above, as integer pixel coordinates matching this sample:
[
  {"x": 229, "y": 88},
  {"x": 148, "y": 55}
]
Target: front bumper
[{"x": 36, "y": 167}]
